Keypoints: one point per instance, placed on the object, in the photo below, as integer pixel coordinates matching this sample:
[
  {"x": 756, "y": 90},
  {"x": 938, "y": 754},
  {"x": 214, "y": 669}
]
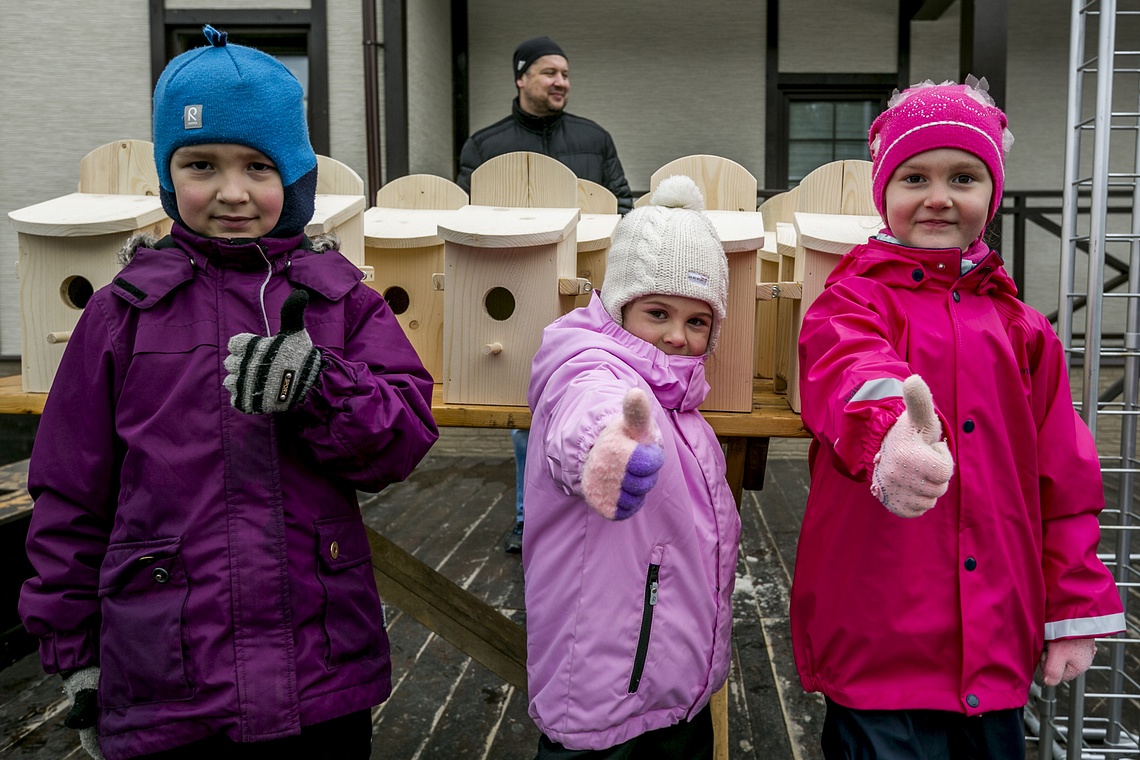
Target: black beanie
[{"x": 531, "y": 50}]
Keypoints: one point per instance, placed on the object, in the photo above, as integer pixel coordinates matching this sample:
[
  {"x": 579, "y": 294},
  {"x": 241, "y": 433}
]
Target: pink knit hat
[{"x": 927, "y": 116}]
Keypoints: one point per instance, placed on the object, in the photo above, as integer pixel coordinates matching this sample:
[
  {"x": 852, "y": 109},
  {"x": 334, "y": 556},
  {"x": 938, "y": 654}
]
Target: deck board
[{"x": 453, "y": 514}]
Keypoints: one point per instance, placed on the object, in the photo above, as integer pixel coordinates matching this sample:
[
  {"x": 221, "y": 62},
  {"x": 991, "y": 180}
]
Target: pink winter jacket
[
  {"x": 628, "y": 623},
  {"x": 947, "y": 611}
]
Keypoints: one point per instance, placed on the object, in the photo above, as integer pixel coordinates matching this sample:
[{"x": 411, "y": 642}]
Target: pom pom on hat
[
  {"x": 224, "y": 93},
  {"x": 927, "y": 116},
  {"x": 667, "y": 247}
]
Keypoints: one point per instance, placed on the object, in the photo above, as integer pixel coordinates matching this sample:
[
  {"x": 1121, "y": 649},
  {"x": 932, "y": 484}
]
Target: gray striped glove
[
  {"x": 272, "y": 374},
  {"x": 81, "y": 687}
]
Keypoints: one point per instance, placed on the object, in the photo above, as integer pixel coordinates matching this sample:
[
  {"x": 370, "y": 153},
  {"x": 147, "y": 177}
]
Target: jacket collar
[
  {"x": 537, "y": 124},
  {"x": 154, "y": 269},
  {"x": 678, "y": 382},
  {"x": 901, "y": 266}
]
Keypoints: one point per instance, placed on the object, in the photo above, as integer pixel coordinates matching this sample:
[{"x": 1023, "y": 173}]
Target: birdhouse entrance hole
[
  {"x": 76, "y": 291},
  {"x": 499, "y": 303},
  {"x": 398, "y": 299}
]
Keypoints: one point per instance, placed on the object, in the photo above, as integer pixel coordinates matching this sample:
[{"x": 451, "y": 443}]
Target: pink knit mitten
[
  {"x": 1065, "y": 659},
  {"x": 622, "y": 466},
  {"x": 913, "y": 467}
]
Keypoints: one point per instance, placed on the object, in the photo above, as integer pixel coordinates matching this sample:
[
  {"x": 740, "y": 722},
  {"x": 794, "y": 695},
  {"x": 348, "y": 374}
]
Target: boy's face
[
  {"x": 939, "y": 199},
  {"x": 677, "y": 325},
  {"x": 226, "y": 190}
]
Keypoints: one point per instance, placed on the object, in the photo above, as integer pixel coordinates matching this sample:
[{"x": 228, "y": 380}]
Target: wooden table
[{"x": 467, "y": 622}]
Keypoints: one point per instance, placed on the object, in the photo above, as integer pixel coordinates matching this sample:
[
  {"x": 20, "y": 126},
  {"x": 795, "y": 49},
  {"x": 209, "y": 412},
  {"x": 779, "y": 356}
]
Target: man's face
[{"x": 544, "y": 87}]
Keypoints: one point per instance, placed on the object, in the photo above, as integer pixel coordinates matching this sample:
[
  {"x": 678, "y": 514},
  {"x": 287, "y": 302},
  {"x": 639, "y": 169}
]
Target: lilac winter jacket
[
  {"x": 212, "y": 563},
  {"x": 950, "y": 610},
  {"x": 628, "y": 623}
]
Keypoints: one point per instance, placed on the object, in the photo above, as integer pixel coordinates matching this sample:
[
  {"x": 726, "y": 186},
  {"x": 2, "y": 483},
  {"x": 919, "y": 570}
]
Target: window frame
[
  {"x": 799, "y": 88},
  {"x": 165, "y": 23}
]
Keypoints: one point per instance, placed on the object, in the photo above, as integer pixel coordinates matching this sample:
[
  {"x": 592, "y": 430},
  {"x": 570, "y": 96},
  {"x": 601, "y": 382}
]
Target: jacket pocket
[
  {"x": 648, "y": 605},
  {"x": 353, "y": 615},
  {"x": 143, "y": 591}
]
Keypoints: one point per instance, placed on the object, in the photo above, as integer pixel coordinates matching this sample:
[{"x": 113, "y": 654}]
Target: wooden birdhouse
[
  {"x": 69, "y": 248},
  {"x": 404, "y": 250},
  {"x": 508, "y": 272},
  {"x": 339, "y": 207},
  {"x": 730, "y": 368}
]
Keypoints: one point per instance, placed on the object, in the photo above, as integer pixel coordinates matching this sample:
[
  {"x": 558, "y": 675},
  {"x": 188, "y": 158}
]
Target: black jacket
[{"x": 581, "y": 144}]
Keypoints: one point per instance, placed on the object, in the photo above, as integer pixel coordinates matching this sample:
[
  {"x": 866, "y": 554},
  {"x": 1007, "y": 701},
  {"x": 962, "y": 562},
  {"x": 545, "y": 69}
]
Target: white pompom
[{"x": 678, "y": 191}]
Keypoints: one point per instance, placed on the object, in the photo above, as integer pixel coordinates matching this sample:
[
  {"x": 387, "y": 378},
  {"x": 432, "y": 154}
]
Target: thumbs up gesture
[
  {"x": 272, "y": 374},
  {"x": 623, "y": 464},
  {"x": 913, "y": 466}
]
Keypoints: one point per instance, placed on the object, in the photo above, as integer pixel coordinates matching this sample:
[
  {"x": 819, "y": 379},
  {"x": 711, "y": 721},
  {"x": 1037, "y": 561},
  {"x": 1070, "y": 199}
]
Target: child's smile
[
  {"x": 226, "y": 190},
  {"x": 939, "y": 199}
]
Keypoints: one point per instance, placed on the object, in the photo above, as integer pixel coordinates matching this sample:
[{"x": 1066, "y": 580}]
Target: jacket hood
[
  {"x": 678, "y": 382},
  {"x": 901, "y": 266}
]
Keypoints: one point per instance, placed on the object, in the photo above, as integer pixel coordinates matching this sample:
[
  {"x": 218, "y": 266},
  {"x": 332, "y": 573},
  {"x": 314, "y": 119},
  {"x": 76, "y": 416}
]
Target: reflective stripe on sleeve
[
  {"x": 1085, "y": 627},
  {"x": 873, "y": 390}
]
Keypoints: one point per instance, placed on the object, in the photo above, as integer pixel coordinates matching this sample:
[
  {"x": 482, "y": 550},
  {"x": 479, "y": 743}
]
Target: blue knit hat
[{"x": 235, "y": 94}]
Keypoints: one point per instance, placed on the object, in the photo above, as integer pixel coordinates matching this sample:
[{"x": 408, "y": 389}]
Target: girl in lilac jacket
[
  {"x": 203, "y": 576},
  {"x": 932, "y": 574},
  {"x": 631, "y": 534}
]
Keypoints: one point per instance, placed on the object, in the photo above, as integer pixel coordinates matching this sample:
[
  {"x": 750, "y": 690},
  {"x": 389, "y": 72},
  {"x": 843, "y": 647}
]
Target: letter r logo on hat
[{"x": 192, "y": 117}]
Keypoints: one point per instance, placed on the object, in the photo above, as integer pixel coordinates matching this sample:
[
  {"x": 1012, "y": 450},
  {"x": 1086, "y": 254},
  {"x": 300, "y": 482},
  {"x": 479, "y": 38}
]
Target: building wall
[
  {"x": 666, "y": 79},
  {"x": 64, "y": 93},
  {"x": 430, "y": 108}
]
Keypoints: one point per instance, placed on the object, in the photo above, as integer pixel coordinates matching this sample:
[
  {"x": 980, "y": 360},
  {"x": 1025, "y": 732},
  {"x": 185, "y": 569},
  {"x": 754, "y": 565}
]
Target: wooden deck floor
[{"x": 453, "y": 514}]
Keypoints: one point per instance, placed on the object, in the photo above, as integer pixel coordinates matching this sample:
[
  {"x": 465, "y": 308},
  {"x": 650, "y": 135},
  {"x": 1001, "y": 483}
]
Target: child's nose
[
  {"x": 232, "y": 190},
  {"x": 939, "y": 196},
  {"x": 675, "y": 335}
]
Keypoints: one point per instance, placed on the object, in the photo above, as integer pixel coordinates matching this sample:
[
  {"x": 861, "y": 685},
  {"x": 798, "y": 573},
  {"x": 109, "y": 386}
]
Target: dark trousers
[
  {"x": 921, "y": 735},
  {"x": 346, "y": 738},
  {"x": 687, "y": 740}
]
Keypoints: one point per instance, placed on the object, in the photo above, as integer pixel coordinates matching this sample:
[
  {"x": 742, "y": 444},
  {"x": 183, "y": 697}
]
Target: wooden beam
[
  {"x": 474, "y": 627},
  {"x": 931, "y": 10}
]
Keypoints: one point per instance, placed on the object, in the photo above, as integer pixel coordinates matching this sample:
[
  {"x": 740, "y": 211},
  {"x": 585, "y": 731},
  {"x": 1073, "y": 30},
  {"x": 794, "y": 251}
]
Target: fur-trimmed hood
[{"x": 327, "y": 241}]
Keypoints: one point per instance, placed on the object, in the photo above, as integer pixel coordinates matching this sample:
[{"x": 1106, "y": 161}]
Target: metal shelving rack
[{"x": 1098, "y": 715}]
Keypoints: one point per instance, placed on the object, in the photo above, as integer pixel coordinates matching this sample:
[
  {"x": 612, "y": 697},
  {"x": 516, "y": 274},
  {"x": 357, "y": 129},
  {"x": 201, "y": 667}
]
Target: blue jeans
[{"x": 519, "y": 437}]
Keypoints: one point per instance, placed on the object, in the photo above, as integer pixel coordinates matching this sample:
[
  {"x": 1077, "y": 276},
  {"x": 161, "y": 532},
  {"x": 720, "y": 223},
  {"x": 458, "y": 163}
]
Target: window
[
  {"x": 822, "y": 131},
  {"x": 296, "y": 38},
  {"x": 818, "y": 119}
]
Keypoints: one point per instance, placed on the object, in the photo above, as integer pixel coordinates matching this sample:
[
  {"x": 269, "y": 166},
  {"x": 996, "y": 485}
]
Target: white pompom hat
[{"x": 668, "y": 247}]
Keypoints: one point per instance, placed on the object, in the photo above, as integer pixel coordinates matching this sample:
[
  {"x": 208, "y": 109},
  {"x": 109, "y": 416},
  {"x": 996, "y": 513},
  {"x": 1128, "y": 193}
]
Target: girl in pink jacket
[
  {"x": 950, "y": 537},
  {"x": 631, "y": 531}
]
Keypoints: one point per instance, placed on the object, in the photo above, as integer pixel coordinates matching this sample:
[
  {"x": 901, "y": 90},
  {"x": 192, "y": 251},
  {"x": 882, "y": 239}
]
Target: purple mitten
[
  {"x": 623, "y": 464},
  {"x": 913, "y": 466}
]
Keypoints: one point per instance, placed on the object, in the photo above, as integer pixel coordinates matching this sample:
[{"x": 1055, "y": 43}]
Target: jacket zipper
[
  {"x": 261, "y": 293},
  {"x": 646, "y": 627}
]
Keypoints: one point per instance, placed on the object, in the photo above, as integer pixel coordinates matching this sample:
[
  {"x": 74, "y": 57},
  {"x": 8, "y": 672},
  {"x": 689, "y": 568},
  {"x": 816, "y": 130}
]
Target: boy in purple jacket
[
  {"x": 932, "y": 575},
  {"x": 201, "y": 562}
]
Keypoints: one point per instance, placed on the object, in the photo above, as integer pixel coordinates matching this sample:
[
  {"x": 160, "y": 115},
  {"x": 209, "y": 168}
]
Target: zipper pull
[{"x": 653, "y": 593}]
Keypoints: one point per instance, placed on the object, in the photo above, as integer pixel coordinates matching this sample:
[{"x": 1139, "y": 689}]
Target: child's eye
[
  {"x": 700, "y": 323},
  {"x": 964, "y": 179},
  {"x": 199, "y": 166},
  {"x": 257, "y": 166},
  {"x": 912, "y": 179},
  {"x": 657, "y": 313}
]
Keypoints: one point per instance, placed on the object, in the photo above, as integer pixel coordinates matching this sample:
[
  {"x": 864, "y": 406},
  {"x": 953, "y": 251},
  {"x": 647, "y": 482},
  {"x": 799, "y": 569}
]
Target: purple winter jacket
[
  {"x": 214, "y": 564},
  {"x": 628, "y": 623}
]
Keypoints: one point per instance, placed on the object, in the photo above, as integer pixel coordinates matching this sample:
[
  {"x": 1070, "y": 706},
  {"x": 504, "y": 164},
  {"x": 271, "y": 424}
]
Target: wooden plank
[
  {"x": 122, "y": 167},
  {"x": 508, "y": 227},
  {"x": 337, "y": 178},
  {"x": 331, "y": 211},
  {"x": 86, "y": 214},
  {"x": 526, "y": 180},
  {"x": 421, "y": 191},
  {"x": 396, "y": 228},
  {"x": 725, "y": 184},
  {"x": 471, "y": 625},
  {"x": 595, "y": 199}
]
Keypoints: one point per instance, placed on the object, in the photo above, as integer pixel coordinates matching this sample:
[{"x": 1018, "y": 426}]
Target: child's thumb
[
  {"x": 637, "y": 413},
  {"x": 920, "y": 406},
  {"x": 293, "y": 312}
]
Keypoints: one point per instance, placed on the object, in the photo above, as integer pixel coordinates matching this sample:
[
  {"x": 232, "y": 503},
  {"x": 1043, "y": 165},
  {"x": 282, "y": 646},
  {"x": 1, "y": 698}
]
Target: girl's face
[
  {"x": 675, "y": 324},
  {"x": 939, "y": 199},
  {"x": 226, "y": 190}
]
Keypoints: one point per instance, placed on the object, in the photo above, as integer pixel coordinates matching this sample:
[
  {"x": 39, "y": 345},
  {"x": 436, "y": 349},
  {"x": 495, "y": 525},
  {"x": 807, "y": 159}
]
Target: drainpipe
[{"x": 372, "y": 101}]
